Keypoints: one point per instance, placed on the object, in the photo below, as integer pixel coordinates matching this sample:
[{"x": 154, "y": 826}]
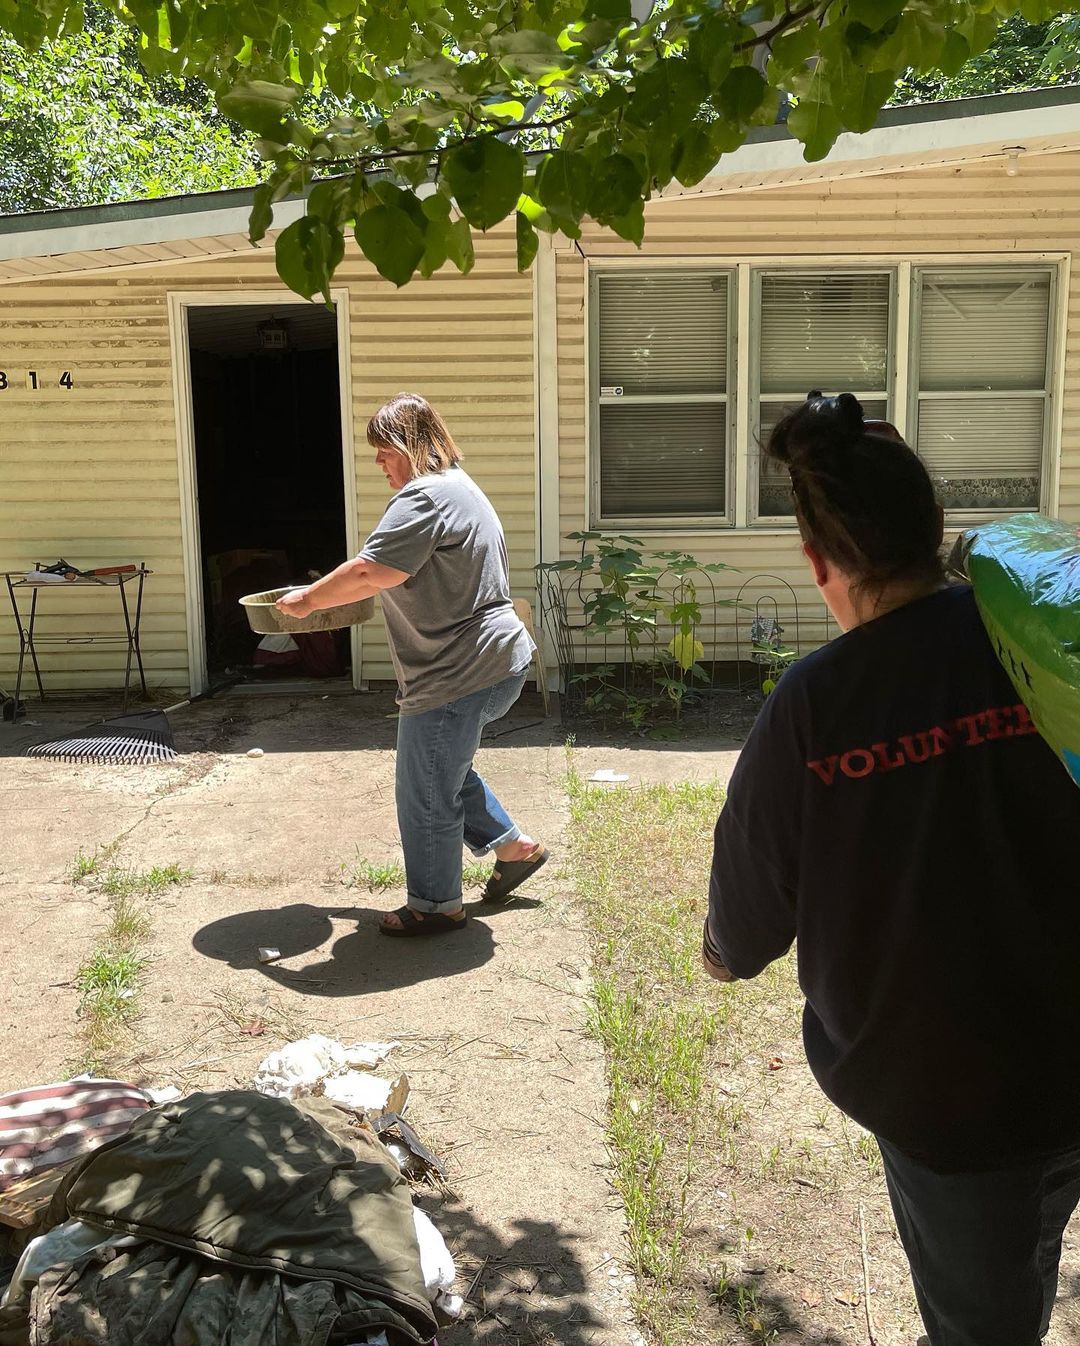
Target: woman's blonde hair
[{"x": 412, "y": 426}]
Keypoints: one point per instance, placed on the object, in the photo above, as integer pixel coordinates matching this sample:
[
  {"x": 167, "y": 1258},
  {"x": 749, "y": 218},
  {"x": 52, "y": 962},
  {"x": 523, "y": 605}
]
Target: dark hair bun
[
  {"x": 818, "y": 430},
  {"x": 862, "y": 496}
]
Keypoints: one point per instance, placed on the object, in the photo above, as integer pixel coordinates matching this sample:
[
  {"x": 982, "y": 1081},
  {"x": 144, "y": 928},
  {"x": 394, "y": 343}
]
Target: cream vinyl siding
[
  {"x": 91, "y": 474},
  {"x": 926, "y": 215}
]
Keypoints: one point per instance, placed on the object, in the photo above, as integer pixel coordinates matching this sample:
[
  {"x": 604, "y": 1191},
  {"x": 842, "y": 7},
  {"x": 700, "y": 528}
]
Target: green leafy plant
[
  {"x": 627, "y": 600},
  {"x": 774, "y": 660},
  {"x": 411, "y": 125}
]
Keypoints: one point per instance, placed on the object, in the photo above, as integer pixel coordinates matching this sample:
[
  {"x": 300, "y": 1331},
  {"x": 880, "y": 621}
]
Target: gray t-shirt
[{"x": 452, "y": 627}]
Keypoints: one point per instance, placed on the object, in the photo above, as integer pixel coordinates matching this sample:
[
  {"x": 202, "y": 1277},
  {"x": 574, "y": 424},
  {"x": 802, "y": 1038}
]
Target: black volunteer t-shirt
[{"x": 896, "y": 811}]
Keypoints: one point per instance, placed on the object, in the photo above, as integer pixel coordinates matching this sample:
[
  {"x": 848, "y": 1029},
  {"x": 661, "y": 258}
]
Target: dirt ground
[{"x": 506, "y": 1084}]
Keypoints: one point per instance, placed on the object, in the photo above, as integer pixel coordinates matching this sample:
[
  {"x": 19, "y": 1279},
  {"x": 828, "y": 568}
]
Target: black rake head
[{"x": 129, "y": 740}]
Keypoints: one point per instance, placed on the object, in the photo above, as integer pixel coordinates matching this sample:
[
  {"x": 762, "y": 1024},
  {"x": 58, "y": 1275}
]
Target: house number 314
[{"x": 35, "y": 380}]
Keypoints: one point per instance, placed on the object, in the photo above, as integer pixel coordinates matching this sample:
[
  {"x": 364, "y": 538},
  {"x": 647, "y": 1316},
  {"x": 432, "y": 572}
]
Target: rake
[{"x": 144, "y": 736}]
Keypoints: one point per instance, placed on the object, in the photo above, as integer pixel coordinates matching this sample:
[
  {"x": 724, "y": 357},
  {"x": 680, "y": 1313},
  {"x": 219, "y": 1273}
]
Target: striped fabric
[{"x": 53, "y": 1123}]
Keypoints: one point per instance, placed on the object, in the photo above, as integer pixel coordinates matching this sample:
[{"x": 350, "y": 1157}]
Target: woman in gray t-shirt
[{"x": 438, "y": 559}]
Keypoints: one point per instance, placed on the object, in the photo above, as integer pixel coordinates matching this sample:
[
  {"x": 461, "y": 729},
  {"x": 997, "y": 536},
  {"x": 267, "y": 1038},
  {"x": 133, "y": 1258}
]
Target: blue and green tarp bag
[{"x": 1025, "y": 572}]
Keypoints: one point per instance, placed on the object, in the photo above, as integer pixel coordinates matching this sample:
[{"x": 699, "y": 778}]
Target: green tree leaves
[
  {"x": 82, "y": 123},
  {"x": 415, "y": 122},
  {"x": 485, "y": 177},
  {"x": 530, "y": 54},
  {"x": 527, "y": 242},
  {"x": 391, "y": 241},
  {"x": 260, "y": 106},
  {"x": 563, "y": 183},
  {"x": 307, "y": 254}
]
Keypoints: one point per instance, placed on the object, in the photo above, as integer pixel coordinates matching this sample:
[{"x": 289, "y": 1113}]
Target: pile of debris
[{"x": 282, "y": 1213}]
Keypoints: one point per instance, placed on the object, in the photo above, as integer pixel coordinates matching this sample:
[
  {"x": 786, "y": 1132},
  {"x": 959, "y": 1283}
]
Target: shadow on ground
[
  {"x": 278, "y": 724},
  {"x": 527, "y": 1288},
  {"x": 361, "y": 962},
  {"x": 765, "y": 1314}
]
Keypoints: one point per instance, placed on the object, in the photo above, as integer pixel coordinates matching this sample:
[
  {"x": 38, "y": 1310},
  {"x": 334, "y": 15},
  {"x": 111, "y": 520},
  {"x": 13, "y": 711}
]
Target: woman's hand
[{"x": 295, "y": 604}]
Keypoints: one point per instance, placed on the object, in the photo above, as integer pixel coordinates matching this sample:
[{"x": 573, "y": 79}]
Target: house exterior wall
[
  {"x": 942, "y": 213},
  {"x": 91, "y": 473}
]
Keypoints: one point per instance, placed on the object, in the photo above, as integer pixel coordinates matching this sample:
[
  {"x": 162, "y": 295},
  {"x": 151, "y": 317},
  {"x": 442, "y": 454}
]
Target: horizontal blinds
[
  {"x": 663, "y": 333},
  {"x": 662, "y": 461},
  {"x": 999, "y": 437},
  {"x": 827, "y": 332},
  {"x": 983, "y": 330},
  {"x": 774, "y": 495}
]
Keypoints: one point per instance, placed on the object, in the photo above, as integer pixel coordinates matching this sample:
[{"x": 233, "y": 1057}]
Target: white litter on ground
[
  {"x": 435, "y": 1260},
  {"x": 367, "y": 1055},
  {"x": 364, "y": 1093},
  {"x": 300, "y": 1067},
  {"x": 167, "y": 1093}
]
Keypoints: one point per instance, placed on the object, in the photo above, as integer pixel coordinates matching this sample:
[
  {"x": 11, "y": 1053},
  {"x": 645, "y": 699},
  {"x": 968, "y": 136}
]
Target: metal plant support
[
  {"x": 762, "y": 642},
  {"x": 653, "y": 657}
]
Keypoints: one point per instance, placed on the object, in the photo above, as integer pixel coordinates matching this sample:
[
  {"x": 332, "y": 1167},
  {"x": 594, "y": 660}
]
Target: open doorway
[{"x": 266, "y": 421}]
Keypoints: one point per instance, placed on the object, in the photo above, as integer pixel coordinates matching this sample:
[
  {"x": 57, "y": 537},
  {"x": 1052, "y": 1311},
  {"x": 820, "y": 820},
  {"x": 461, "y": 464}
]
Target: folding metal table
[{"x": 29, "y": 640}]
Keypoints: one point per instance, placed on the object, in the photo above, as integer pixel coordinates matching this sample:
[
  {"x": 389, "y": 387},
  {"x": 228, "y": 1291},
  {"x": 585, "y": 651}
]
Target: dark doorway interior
[{"x": 270, "y": 476}]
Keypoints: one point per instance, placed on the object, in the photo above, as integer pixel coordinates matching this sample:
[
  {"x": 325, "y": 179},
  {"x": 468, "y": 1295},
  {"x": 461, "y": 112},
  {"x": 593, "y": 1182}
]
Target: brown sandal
[
  {"x": 509, "y": 875},
  {"x": 414, "y": 924}
]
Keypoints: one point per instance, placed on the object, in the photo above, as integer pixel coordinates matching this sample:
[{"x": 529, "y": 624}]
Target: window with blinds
[
  {"x": 977, "y": 371},
  {"x": 982, "y": 377},
  {"x": 661, "y": 356},
  {"x": 817, "y": 330}
]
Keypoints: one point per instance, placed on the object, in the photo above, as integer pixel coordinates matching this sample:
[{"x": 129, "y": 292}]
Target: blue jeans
[
  {"x": 984, "y": 1247},
  {"x": 441, "y": 802}
]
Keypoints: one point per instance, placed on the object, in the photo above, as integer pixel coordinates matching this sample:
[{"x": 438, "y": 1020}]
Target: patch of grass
[
  {"x": 129, "y": 924},
  {"x": 711, "y": 1108},
  {"x": 374, "y": 876},
  {"x": 866, "y": 1147},
  {"x": 110, "y": 978},
  {"x": 248, "y": 879},
  {"x": 648, "y": 1011},
  {"x": 475, "y": 874},
  {"x": 108, "y": 982},
  {"x": 746, "y": 1305},
  {"x": 127, "y": 883},
  {"x": 86, "y": 866}
]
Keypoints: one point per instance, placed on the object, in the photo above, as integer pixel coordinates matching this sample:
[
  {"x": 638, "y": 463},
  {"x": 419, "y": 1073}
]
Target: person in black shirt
[{"x": 896, "y": 812}]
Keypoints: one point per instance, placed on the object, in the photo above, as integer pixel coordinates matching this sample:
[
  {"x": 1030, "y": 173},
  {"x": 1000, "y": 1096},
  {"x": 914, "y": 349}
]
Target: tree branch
[
  {"x": 363, "y": 160},
  {"x": 792, "y": 17}
]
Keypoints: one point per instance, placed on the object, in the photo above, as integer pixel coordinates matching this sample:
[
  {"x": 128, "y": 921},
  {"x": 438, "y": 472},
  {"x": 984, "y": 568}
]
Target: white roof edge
[
  {"x": 773, "y": 162},
  {"x": 766, "y": 163},
  {"x": 138, "y": 232}
]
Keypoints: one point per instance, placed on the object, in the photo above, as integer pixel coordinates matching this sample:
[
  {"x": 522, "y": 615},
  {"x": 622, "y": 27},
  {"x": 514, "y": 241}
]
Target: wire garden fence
[{"x": 646, "y": 638}]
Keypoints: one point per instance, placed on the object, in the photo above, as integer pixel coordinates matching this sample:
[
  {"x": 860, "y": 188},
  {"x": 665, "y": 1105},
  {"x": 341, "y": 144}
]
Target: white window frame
[
  {"x": 754, "y": 356},
  {"x": 742, "y": 456},
  {"x": 1050, "y": 393},
  {"x": 676, "y": 522}
]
